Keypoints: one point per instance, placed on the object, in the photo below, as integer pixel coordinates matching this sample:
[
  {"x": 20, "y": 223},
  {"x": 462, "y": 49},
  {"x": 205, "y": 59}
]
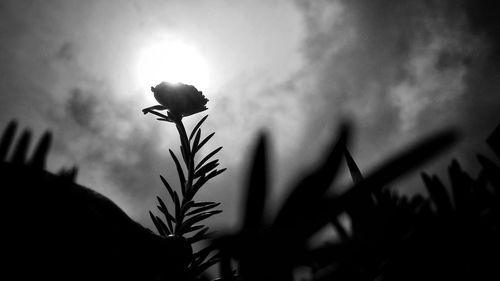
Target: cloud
[{"x": 401, "y": 69}]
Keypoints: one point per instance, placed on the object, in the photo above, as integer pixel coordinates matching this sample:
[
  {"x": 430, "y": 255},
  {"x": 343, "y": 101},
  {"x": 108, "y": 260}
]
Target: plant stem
[{"x": 189, "y": 161}]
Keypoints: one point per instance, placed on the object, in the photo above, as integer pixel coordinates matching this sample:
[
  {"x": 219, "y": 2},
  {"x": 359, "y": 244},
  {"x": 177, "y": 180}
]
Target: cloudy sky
[{"x": 397, "y": 69}]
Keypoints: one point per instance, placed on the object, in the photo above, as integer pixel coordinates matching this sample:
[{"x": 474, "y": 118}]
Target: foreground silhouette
[{"x": 55, "y": 229}]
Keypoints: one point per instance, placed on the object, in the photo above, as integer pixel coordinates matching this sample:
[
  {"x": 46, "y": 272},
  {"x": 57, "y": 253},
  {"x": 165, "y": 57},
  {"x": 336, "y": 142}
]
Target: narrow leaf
[
  {"x": 256, "y": 190},
  {"x": 157, "y": 225},
  {"x": 163, "y": 226},
  {"x": 169, "y": 188},
  {"x": 202, "y": 204},
  {"x": 192, "y": 228},
  {"x": 182, "y": 179},
  {"x": 197, "y": 218},
  {"x": 197, "y": 126},
  {"x": 204, "y": 141},
  {"x": 7, "y": 137},
  {"x": 437, "y": 193},
  {"x": 196, "y": 140},
  {"x": 164, "y": 210},
  {"x": 206, "y": 169},
  {"x": 353, "y": 168},
  {"x": 186, "y": 206},
  {"x": 206, "y": 158},
  {"x": 21, "y": 149},
  {"x": 200, "y": 235},
  {"x": 202, "y": 180},
  {"x": 202, "y": 209}
]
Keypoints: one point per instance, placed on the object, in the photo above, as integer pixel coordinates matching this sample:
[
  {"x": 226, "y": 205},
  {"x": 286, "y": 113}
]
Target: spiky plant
[{"x": 186, "y": 216}]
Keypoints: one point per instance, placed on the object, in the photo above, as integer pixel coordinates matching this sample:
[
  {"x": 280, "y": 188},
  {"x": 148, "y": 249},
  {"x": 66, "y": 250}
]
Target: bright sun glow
[{"x": 174, "y": 62}]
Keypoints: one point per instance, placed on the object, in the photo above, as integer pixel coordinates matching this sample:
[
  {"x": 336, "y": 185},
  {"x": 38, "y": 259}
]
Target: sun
[{"x": 171, "y": 61}]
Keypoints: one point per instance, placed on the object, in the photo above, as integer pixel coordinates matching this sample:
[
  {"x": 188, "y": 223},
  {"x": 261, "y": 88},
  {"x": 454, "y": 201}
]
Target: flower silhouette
[{"x": 179, "y": 99}]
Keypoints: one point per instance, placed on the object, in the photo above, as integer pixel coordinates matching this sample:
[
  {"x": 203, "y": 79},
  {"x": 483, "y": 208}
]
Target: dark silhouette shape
[
  {"x": 55, "y": 229},
  {"x": 272, "y": 252}
]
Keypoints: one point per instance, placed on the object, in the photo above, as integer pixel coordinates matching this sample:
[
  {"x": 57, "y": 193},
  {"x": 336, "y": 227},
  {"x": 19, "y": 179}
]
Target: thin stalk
[{"x": 189, "y": 164}]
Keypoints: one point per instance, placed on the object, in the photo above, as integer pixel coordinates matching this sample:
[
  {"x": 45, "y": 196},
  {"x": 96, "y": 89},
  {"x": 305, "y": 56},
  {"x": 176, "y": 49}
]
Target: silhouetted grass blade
[
  {"x": 494, "y": 141},
  {"x": 7, "y": 137},
  {"x": 492, "y": 171},
  {"x": 353, "y": 168},
  {"x": 21, "y": 149},
  {"x": 197, "y": 126},
  {"x": 393, "y": 168},
  {"x": 206, "y": 158},
  {"x": 461, "y": 185},
  {"x": 438, "y": 194},
  {"x": 256, "y": 190},
  {"x": 303, "y": 200},
  {"x": 42, "y": 149}
]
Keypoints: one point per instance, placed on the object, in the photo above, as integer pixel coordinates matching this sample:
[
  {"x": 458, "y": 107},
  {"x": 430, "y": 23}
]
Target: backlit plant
[{"x": 185, "y": 216}]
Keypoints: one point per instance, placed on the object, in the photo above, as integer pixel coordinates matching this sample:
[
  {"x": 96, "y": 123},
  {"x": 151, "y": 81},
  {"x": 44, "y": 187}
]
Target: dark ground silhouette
[{"x": 56, "y": 229}]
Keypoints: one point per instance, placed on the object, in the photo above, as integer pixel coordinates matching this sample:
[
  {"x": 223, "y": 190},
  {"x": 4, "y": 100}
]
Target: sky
[{"x": 397, "y": 70}]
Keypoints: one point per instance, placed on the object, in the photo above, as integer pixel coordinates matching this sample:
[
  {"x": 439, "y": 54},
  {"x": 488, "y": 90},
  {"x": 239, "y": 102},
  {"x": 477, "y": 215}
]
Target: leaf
[
  {"x": 157, "y": 225},
  {"x": 169, "y": 188},
  {"x": 353, "y": 168},
  {"x": 182, "y": 179},
  {"x": 206, "y": 158},
  {"x": 196, "y": 140},
  {"x": 202, "y": 267},
  {"x": 163, "y": 226},
  {"x": 197, "y": 126},
  {"x": 202, "y": 180},
  {"x": 164, "y": 210},
  {"x": 192, "y": 228},
  {"x": 305, "y": 196},
  {"x": 7, "y": 137},
  {"x": 42, "y": 149},
  {"x": 207, "y": 168},
  {"x": 186, "y": 206},
  {"x": 202, "y": 204},
  {"x": 395, "y": 167},
  {"x": 493, "y": 141},
  {"x": 21, "y": 149},
  {"x": 202, "y": 209},
  {"x": 197, "y": 218},
  {"x": 437, "y": 193},
  {"x": 200, "y": 235},
  {"x": 461, "y": 186},
  {"x": 491, "y": 170},
  {"x": 202, "y": 143},
  {"x": 256, "y": 191},
  {"x": 202, "y": 254}
]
